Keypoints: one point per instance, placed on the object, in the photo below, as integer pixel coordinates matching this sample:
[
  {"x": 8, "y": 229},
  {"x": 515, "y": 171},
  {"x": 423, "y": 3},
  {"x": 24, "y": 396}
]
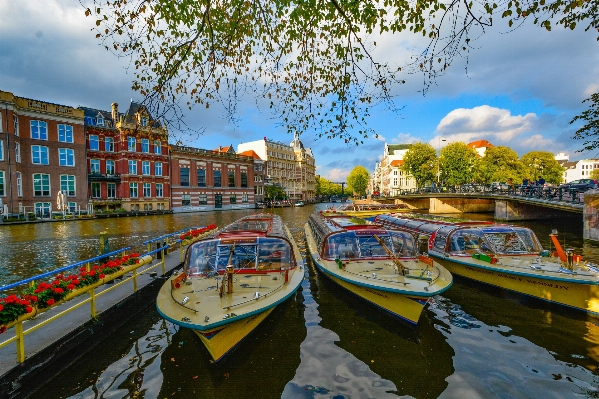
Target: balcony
[{"x": 104, "y": 177}]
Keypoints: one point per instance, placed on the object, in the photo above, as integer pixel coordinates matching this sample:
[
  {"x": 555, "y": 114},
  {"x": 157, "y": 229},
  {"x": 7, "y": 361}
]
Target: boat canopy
[{"x": 359, "y": 244}]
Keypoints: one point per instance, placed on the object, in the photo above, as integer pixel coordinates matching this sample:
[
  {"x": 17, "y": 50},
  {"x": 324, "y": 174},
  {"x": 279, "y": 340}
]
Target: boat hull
[
  {"x": 574, "y": 294},
  {"x": 406, "y": 307},
  {"x": 220, "y": 340}
]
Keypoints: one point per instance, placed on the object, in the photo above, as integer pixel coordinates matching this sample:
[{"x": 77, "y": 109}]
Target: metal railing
[
  {"x": 92, "y": 290},
  {"x": 557, "y": 194}
]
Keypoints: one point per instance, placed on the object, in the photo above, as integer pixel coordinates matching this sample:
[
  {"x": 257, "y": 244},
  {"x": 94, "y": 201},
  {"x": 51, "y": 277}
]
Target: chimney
[{"x": 115, "y": 112}]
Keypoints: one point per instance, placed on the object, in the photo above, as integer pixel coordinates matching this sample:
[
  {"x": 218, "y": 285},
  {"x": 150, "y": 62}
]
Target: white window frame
[
  {"x": 66, "y": 180},
  {"x": 42, "y": 186},
  {"x": 131, "y": 144},
  {"x": 132, "y": 167},
  {"x": 157, "y": 147},
  {"x": 147, "y": 190},
  {"x": 112, "y": 170},
  {"x": 65, "y": 133},
  {"x": 1, "y": 150},
  {"x": 19, "y": 184},
  {"x": 145, "y": 146},
  {"x": 145, "y": 168},
  {"x": 94, "y": 138},
  {"x": 42, "y": 149},
  {"x": 92, "y": 170},
  {"x": 133, "y": 190},
  {"x": 41, "y": 135},
  {"x": 159, "y": 190},
  {"x": 108, "y": 144},
  {"x": 2, "y": 184},
  {"x": 66, "y": 155},
  {"x": 158, "y": 168},
  {"x": 111, "y": 187},
  {"x": 17, "y": 152}
]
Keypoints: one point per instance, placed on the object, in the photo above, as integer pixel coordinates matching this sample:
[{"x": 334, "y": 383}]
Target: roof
[
  {"x": 397, "y": 147},
  {"x": 480, "y": 144},
  {"x": 134, "y": 109},
  {"x": 228, "y": 149},
  {"x": 250, "y": 153},
  {"x": 94, "y": 113},
  {"x": 397, "y": 162},
  {"x": 296, "y": 143},
  {"x": 568, "y": 164}
]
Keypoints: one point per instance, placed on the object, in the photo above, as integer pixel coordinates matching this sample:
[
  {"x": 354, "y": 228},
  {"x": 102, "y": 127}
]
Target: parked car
[{"x": 580, "y": 184}]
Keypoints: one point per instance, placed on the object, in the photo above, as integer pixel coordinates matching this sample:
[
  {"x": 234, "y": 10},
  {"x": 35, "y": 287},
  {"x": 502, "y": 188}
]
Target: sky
[{"x": 517, "y": 88}]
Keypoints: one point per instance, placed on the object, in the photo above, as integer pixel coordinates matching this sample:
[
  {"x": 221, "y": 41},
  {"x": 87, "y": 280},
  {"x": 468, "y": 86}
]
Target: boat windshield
[
  {"x": 529, "y": 238},
  {"x": 468, "y": 242},
  {"x": 255, "y": 254},
  {"x": 348, "y": 245},
  {"x": 508, "y": 241}
]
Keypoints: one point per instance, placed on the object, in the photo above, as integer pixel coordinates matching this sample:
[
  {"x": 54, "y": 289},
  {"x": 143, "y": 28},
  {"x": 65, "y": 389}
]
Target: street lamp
[{"x": 439, "y": 159}]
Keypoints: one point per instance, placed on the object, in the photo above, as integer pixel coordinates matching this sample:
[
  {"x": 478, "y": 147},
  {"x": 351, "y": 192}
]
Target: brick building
[
  {"x": 205, "y": 180},
  {"x": 260, "y": 175},
  {"x": 128, "y": 164},
  {"x": 42, "y": 151}
]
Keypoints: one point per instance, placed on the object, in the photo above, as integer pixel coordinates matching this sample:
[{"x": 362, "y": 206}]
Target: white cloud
[
  {"x": 337, "y": 174},
  {"x": 404, "y": 138}
]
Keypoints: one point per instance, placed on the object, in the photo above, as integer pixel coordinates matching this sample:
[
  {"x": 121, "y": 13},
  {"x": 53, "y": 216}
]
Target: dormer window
[
  {"x": 144, "y": 121},
  {"x": 100, "y": 120}
]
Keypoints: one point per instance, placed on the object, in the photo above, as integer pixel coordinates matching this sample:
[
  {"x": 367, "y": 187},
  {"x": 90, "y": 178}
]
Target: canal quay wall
[{"x": 62, "y": 343}]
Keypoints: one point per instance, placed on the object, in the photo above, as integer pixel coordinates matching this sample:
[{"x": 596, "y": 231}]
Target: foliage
[
  {"x": 311, "y": 62},
  {"x": 594, "y": 174},
  {"x": 420, "y": 162},
  {"x": 197, "y": 232},
  {"x": 457, "y": 163},
  {"x": 11, "y": 307},
  {"x": 358, "y": 180},
  {"x": 274, "y": 192},
  {"x": 499, "y": 164},
  {"x": 543, "y": 163},
  {"x": 590, "y": 130},
  {"x": 327, "y": 187}
]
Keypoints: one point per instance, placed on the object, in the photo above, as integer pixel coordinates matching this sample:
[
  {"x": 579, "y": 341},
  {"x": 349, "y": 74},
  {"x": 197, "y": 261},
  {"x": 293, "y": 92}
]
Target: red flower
[
  {"x": 28, "y": 309},
  {"x": 1, "y": 308},
  {"x": 177, "y": 285},
  {"x": 2, "y": 329},
  {"x": 58, "y": 290},
  {"x": 50, "y": 302},
  {"x": 102, "y": 275},
  {"x": 71, "y": 286}
]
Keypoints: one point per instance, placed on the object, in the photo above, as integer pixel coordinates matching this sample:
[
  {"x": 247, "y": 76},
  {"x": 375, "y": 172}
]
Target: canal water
[{"x": 474, "y": 341}]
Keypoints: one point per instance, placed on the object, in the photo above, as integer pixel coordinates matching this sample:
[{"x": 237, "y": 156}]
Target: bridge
[{"x": 507, "y": 204}]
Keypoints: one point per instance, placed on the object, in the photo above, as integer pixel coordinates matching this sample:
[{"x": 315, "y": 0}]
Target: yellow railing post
[
  {"x": 181, "y": 251},
  {"x": 20, "y": 342},
  {"x": 92, "y": 295},
  {"x": 149, "y": 246},
  {"x": 135, "y": 280}
]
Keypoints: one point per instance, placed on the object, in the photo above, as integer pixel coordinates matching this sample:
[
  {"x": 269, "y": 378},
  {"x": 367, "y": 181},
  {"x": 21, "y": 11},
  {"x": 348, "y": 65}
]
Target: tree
[
  {"x": 310, "y": 61},
  {"x": 273, "y": 192},
  {"x": 594, "y": 174},
  {"x": 420, "y": 162},
  {"x": 358, "y": 180},
  {"x": 543, "y": 163},
  {"x": 327, "y": 187},
  {"x": 591, "y": 128},
  {"x": 457, "y": 163},
  {"x": 499, "y": 164}
]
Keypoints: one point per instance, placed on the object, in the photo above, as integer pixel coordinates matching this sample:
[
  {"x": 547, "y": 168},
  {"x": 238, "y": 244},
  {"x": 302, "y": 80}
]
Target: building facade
[
  {"x": 42, "y": 153},
  {"x": 260, "y": 175},
  {"x": 304, "y": 185},
  {"x": 388, "y": 178},
  {"x": 205, "y": 180},
  {"x": 575, "y": 170},
  {"x": 128, "y": 160}
]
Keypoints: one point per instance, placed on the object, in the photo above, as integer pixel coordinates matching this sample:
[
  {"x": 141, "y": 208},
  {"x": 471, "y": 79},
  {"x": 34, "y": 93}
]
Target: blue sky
[{"x": 520, "y": 88}]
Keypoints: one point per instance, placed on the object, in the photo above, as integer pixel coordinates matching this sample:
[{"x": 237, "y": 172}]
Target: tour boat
[
  {"x": 369, "y": 211},
  {"x": 232, "y": 280},
  {"x": 506, "y": 256},
  {"x": 379, "y": 265}
]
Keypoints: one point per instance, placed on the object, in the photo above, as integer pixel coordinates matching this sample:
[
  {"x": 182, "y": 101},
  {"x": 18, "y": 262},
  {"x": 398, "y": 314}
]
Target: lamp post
[{"x": 439, "y": 159}]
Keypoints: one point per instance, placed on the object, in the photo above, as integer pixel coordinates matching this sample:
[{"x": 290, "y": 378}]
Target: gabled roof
[
  {"x": 134, "y": 109},
  {"x": 228, "y": 149},
  {"x": 250, "y": 153},
  {"x": 94, "y": 113},
  {"x": 480, "y": 144}
]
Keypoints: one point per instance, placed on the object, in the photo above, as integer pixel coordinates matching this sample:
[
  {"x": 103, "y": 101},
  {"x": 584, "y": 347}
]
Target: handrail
[
  {"x": 170, "y": 235},
  {"x": 62, "y": 269}
]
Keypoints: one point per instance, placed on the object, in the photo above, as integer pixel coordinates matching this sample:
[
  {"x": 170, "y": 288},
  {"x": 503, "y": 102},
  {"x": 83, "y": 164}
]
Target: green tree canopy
[
  {"x": 543, "y": 163},
  {"x": 273, "y": 192},
  {"x": 311, "y": 61},
  {"x": 457, "y": 163},
  {"x": 499, "y": 164},
  {"x": 327, "y": 187},
  {"x": 590, "y": 130},
  {"x": 420, "y": 161},
  {"x": 357, "y": 180}
]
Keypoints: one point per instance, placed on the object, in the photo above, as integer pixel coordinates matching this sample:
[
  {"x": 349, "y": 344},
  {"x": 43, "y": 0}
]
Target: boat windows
[
  {"x": 201, "y": 258},
  {"x": 348, "y": 245},
  {"x": 274, "y": 253},
  {"x": 529, "y": 238},
  {"x": 342, "y": 246},
  {"x": 468, "y": 242},
  {"x": 440, "y": 243},
  {"x": 505, "y": 241}
]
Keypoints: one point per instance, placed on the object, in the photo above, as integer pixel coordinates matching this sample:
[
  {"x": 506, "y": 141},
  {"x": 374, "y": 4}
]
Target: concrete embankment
[{"x": 55, "y": 347}]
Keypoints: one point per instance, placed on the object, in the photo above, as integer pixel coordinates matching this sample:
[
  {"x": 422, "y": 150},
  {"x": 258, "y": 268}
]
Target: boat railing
[{"x": 127, "y": 273}]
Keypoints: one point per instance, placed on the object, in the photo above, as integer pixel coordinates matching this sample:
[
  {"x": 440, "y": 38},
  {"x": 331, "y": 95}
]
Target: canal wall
[{"x": 58, "y": 346}]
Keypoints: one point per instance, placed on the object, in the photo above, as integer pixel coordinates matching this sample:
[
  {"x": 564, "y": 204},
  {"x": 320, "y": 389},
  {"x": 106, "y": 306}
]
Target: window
[
  {"x": 132, "y": 167},
  {"x": 67, "y": 184},
  {"x": 66, "y": 157},
  {"x": 100, "y": 120},
  {"x": 109, "y": 167},
  {"x": 132, "y": 190},
  {"x": 2, "y": 184},
  {"x": 244, "y": 179},
  {"x": 158, "y": 168},
  {"x": 39, "y": 155},
  {"x": 19, "y": 184},
  {"x": 108, "y": 144},
  {"x": 145, "y": 145},
  {"x": 1, "y": 150},
  {"x": 65, "y": 133},
  {"x": 217, "y": 178},
  {"x": 18, "y": 152},
  {"x": 233, "y": 199},
  {"x": 203, "y": 199},
  {"x": 89, "y": 121},
  {"x": 94, "y": 166},
  {"x": 42, "y": 209},
  {"x": 144, "y": 121},
  {"x": 39, "y": 130},
  {"x": 145, "y": 167},
  {"x": 157, "y": 147},
  {"x": 231, "y": 178},
  {"x": 147, "y": 190},
  {"x": 186, "y": 200},
  {"x": 111, "y": 190},
  {"x": 94, "y": 142},
  {"x": 96, "y": 190},
  {"x": 71, "y": 206},
  {"x": 201, "y": 178},
  {"x": 131, "y": 144},
  {"x": 159, "y": 192},
  {"x": 184, "y": 177},
  {"x": 15, "y": 121},
  {"x": 244, "y": 198},
  {"x": 41, "y": 185}
]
